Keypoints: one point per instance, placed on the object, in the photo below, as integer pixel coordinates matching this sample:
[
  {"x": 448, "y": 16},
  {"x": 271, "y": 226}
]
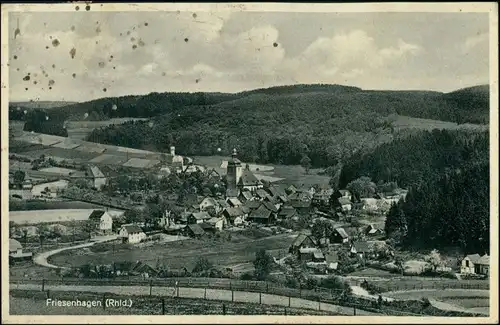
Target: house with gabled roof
[
  {"x": 287, "y": 212},
  {"x": 339, "y": 236},
  {"x": 360, "y": 249},
  {"x": 248, "y": 181},
  {"x": 475, "y": 264},
  {"x": 209, "y": 202},
  {"x": 245, "y": 196},
  {"x": 260, "y": 194},
  {"x": 234, "y": 215},
  {"x": 234, "y": 202},
  {"x": 198, "y": 217},
  {"x": 270, "y": 206},
  {"x": 302, "y": 241},
  {"x": 194, "y": 230},
  {"x": 16, "y": 251}
]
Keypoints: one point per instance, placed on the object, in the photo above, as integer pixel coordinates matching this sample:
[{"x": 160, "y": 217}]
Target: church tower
[{"x": 234, "y": 171}]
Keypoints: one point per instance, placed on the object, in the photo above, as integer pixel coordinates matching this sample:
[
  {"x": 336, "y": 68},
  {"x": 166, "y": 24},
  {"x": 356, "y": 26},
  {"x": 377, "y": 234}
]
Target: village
[{"x": 328, "y": 230}]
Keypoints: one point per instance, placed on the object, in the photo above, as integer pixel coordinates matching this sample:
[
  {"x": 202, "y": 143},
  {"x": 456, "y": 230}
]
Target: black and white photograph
[{"x": 296, "y": 162}]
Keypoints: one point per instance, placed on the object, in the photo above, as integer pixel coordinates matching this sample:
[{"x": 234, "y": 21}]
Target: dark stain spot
[
  {"x": 114, "y": 68},
  {"x": 141, "y": 43},
  {"x": 77, "y": 8},
  {"x": 55, "y": 42},
  {"x": 186, "y": 40},
  {"x": 111, "y": 57},
  {"x": 53, "y": 66},
  {"x": 87, "y": 8},
  {"x": 35, "y": 82},
  {"x": 275, "y": 44},
  {"x": 15, "y": 57},
  {"x": 146, "y": 24},
  {"x": 128, "y": 32},
  {"x": 26, "y": 89},
  {"x": 35, "y": 74},
  {"x": 195, "y": 15},
  {"x": 72, "y": 52},
  {"x": 50, "y": 88},
  {"x": 74, "y": 75},
  {"x": 133, "y": 28},
  {"x": 47, "y": 47},
  {"x": 51, "y": 82},
  {"x": 72, "y": 28},
  {"x": 17, "y": 69},
  {"x": 50, "y": 37},
  {"x": 98, "y": 30},
  {"x": 178, "y": 12},
  {"x": 104, "y": 89},
  {"x": 26, "y": 78},
  {"x": 197, "y": 80},
  {"x": 29, "y": 73},
  {"x": 164, "y": 74},
  {"x": 101, "y": 64},
  {"x": 97, "y": 42},
  {"x": 121, "y": 34},
  {"x": 134, "y": 47},
  {"x": 132, "y": 39}
]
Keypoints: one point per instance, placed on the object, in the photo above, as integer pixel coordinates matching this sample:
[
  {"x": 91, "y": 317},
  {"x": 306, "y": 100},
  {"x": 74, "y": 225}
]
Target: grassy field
[
  {"x": 406, "y": 122},
  {"x": 80, "y": 129},
  {"x": 291, "y": 174},
  {"x": 23, "y": 302},
  {"x": 51, "y": 205},
  {"x": 239, "y": 249},
  {"x": 52, "y": 216}
]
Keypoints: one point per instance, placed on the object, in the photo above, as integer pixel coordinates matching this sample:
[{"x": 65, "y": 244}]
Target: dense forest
[
  {"x": 418, "y": 158},
  {"x": 452, "y": 210}
]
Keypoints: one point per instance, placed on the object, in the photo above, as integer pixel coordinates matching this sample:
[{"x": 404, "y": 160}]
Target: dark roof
[
  {"x": 223, "y": 203},
  {"x": 248, "y": 178},
  {"x": 141, "y": 267},
  {"x": 234, "y": 201},
  {"x": 232, "y": 192},
  {"x": 287, "y": 210},
  {"x": 361, "y": 247},
  {"x": 132, "y": 229},
  {"x": 344, "y": 192},
  {"x": 261, "y": 193},
  {"x": 484, "y": 260},
  {"x": 473, "y": 258},
  {"x": 96, "y": 214},
  {"x": 245, "y": 209},
  {"x": 247, "y": 195},
  {"x": 201, "y": 215},
  {"x": 196, "y": 229},
  {"x": 331, "y": 257},
  {"x": 300, "y": 204},
  {"x": 261, "y": 213},
  {"x": 270, "y": 206},
  {"x": 206, "y": 225},
  {"x": 342, "y": 232}
]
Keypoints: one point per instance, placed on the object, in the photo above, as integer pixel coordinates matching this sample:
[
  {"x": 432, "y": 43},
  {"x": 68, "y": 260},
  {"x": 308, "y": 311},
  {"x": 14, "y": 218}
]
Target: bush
[
  {"x": 247, "y": 276},
  {"x": 202, "y": 264},
  {"x": 292, "y": 282},
  {"x": 334, "y": 282},
  {"x": 371, "y": 288}
]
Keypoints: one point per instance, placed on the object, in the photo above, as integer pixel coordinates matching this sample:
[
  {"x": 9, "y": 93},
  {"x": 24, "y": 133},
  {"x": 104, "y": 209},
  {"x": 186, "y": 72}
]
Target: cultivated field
[
  {"x": 176, "y": 255},
  {"x": 80, "y": 129},
  {"x": 52, "y": 216}
]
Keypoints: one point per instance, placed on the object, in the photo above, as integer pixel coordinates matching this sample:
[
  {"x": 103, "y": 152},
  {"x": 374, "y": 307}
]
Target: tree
[
  {"x": 362, "y": 187},
  {"x": 399, "y": 263},
  {"x": 322, "y": 229},
  {"x": 88, "y": 226},
  {"x": 43, "y": 233},
  {"x": 434, "y": 259},
  {"x": 134, "y": 216},
  {"x": 305, "y": 162},
  {"x": 19, "y": 176},
  {"x": 263, "y": 264}
]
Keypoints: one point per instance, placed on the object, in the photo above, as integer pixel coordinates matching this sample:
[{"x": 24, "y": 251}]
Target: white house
[
  {"x": 369, "y": 204},
  {"x": 209, "y": 202},
  {"x": 49, "y": 189},
  {"x": 217, "y": 223},
  {"x": 132, "y": 234},
  {"x": 345, "y": 204},
  {"x": 346, "y": 194},
  {"x": 16, "y": 250},
  {"x": 475, "y": 264},
  {"x": 103, "y": 221},
  {"x": 98, "y": 176}
]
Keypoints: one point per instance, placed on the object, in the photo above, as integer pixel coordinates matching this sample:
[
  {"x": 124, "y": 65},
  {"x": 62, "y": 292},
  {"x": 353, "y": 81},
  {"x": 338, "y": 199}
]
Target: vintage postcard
[{"x": 249, "y": 163}]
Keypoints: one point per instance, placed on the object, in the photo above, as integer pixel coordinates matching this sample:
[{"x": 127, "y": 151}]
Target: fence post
[
  {"x": 260, "y": 297},
  {"x": 178, "y": 291},
  {"x": 354, "y": 310},
  {"x": 285, "y": 311},
  {"x": 150, "y": 287},
  {"x": 163, "y": 306},
  {"x": 223, "y": 309},
  {"x": 48, "y": 294},
  {"x": 232, "y": 295},
  {"x": 205, "y": 294},
  {"x": 104, "y": 301},
  {"x": 319, "y": 303},
  {"x": 289, "y": 302},
  {"x": 267, "y": 287},
  {"x": 43, "y": 284},
  {"x": 230, "y": 286}
]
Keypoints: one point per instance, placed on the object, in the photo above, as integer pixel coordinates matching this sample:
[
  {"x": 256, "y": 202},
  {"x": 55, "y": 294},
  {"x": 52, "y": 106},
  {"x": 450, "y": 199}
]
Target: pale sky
[{"x": 130, "y": 53}]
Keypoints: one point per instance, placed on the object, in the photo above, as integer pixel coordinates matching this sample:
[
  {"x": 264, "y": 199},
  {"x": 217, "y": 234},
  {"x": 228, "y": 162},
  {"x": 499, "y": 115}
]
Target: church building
[{"x": 240, "y": 179}]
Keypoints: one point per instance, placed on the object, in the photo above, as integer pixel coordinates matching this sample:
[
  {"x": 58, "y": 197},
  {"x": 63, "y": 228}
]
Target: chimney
[{"x": 172, "y": 151}]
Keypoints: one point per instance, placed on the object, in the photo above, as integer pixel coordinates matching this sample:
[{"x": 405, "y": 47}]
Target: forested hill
[{"x": 418, "y": 158}]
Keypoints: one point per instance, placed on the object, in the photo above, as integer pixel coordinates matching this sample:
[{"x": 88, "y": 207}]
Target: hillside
[{"x": 42, "y": 104}]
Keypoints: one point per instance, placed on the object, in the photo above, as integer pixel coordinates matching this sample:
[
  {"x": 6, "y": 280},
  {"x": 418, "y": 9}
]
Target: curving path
[
  {"x": 200, "y": 293},
  {"x": 41, "y": 259}
]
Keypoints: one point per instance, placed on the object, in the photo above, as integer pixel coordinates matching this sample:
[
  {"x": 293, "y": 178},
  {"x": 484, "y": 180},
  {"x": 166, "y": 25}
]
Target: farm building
[
  {"x": 260, "y": 194},
  {"x": 302, "y": 207},
  {"x": 49, "y": 189},
  {"x": 332, "y": 260},
  {"x": 177, "y": 161},
  {"x": 102, "y": 219},
  {"x": 345, "y": 194},
  {"x": 132, "y": 234},
  {"x": 287, "y": 212},
  {"x": 475, "y": 264},
  {"x": 372, "y": 230},
  {"x": 16, "y": 251},
  {"x": 234, "y": 202},
  {"x": 339, "y": 236},
  {"x": 234, "y": 215},
  {"x": 262, "y": 215},
  {"x": 198, "y": 217},
  {"x": 360, "y": 249},
  {"x": 248, "y": 181},
  {"x": 217, "y": 223},
  {"x": 245, "y": 196},
  {"x": 322, "y": 196},
  {"x": 98, "y": 177},
  {"x": 209, "y": 202},
  {"x": 369, "y": 204},
  {"x": 194, "y": 230},
  {"x": 345, "y": 204},
  {"x": 302, "y": 241}
]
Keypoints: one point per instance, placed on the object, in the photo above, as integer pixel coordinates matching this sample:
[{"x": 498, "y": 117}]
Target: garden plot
[
  {"x": 43, "y": 139},
  {"x": 140, "y": 163},
  {"x": 268, "y": 178},
  {"x": 53, "y": 216},
  {"x": 67, "y": 144},
  {"x": 90, "y": 148},
  {"x": 132, "y": 150}
]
